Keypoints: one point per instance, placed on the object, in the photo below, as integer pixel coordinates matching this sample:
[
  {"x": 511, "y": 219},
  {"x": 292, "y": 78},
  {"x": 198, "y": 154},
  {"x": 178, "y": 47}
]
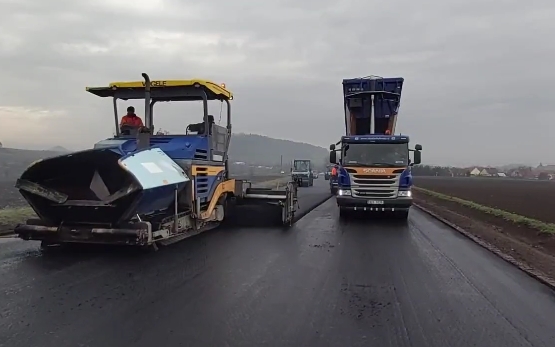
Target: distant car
[
  {"x": 282, "y": 172},
  {"x": 315, "y": 174}
]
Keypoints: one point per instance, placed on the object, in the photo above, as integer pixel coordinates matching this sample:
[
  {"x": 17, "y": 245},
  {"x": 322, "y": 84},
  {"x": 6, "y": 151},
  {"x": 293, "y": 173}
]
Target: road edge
[
  {"x": 530, "y": 271},
  {"x": 311, "y": 208}
]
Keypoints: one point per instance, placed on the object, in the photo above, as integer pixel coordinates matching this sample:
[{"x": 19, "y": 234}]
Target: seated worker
[
  {"x": 131, "y": 120},
  {"x": 199, "y": 127}
]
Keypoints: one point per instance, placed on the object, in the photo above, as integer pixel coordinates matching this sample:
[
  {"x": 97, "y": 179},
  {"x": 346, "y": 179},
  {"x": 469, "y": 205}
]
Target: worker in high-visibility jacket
[{"x": 131, "y": 119}]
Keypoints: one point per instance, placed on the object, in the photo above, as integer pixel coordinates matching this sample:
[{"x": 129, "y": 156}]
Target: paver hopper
[{"x": 140, "y": 188}]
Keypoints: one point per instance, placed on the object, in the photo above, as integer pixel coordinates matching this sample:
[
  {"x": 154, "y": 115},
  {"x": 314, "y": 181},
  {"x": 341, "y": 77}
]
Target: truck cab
[{"x": 374, "y": 168}]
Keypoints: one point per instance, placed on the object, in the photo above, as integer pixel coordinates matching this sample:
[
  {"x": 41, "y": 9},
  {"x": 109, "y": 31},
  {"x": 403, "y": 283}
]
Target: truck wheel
[
  {"x": 333, "y": 191},
  {"x": 402, "y": 215},
  {"x": 230, "y": 211},
  {"x": 343, "y": 213}
]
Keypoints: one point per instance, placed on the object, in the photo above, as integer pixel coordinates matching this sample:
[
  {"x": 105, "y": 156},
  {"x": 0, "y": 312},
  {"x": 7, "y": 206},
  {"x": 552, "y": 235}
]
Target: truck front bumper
[{"x": 386, "y": 205}]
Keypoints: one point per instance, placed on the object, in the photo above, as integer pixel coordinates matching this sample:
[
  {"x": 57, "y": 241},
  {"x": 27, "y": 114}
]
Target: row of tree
[{"x": 427, "y": 170}]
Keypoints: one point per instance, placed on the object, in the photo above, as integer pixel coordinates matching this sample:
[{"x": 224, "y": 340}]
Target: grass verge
[
  {"x": 12, "y": 216},
  {"x": 547, "y": 228}
]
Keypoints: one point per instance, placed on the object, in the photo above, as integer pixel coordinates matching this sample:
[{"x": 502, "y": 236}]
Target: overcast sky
[{"x": 478, "y": 73}]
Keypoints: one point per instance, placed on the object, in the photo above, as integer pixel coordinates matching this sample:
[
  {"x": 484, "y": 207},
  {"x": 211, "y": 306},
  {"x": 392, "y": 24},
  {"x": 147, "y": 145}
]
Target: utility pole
[{"x": 281, "y": 163}]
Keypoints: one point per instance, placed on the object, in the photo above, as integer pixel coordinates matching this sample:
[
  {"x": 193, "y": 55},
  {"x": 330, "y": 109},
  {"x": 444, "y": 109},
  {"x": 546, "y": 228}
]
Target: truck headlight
[
  {"x": 404, "y": 194},
  {"x": 344, "y": 192}
]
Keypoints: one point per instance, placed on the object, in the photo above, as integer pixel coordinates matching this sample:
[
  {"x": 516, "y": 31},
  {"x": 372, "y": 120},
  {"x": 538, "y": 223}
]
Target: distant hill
[
  {"x": 263, "y": 150},
  {"x": 14, "y": 161},
  {"x": 58, "y": 149},
  {"x": 248, "y": 148}
]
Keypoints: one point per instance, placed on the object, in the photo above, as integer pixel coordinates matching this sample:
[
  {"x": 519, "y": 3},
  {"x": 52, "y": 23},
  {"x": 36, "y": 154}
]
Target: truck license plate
[{"x": 375, "y": 202}]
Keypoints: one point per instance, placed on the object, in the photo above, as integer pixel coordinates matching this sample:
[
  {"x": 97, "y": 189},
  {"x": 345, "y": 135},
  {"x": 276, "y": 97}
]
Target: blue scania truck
[{"x": 374, "y": 166}]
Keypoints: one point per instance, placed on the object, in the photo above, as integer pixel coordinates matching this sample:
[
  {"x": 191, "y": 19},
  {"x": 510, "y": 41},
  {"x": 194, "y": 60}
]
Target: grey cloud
[{"x": 476, "y": 71}]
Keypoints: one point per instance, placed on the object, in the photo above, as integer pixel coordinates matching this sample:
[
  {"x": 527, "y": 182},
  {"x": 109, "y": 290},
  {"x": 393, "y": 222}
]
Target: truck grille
[{"x": 374, "y": 186}]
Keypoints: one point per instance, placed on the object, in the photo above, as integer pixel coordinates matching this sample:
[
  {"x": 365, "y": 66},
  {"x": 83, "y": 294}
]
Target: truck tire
[
  {"x": 343, "y": 213},
  {"x": 402, "y": 215},
  {"x": 333, "y": 191}
]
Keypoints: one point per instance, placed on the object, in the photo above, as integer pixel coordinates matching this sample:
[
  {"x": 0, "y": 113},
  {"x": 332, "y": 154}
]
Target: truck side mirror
[
  {"x": 333, "y": 157},
  {"x": 332, "y": 147},
  {"x": 418, "y": 147},
  {"x": 417, "y": 158}
]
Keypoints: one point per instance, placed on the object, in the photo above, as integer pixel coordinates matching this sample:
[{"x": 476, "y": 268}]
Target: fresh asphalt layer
[{"x": 322, "y": 282}]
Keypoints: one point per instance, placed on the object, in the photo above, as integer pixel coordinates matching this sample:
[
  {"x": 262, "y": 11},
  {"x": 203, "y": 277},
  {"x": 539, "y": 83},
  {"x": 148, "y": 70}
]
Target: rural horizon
[{"x": 471, "y": 165}]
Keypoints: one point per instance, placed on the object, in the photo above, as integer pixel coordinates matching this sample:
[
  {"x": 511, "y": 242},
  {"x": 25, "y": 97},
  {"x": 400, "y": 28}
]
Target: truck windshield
[
  {"x": 376, "y": 154},
  {"x": 301, "y": 165}
]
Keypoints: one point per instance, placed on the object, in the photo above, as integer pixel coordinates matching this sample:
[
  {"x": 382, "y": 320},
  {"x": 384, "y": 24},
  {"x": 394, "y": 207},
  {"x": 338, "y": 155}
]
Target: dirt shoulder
[{"x": 523, "y": 243}]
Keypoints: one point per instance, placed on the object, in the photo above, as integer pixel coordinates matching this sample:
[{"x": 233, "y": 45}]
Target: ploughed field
[{"x": 530, "y": 198}]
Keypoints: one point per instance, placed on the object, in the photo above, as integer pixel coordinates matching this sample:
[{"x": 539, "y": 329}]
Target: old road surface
[{"x": 321, "y": 283}]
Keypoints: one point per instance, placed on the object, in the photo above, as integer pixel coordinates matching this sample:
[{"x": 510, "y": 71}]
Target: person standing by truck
[{"x": 333, "y": 180}]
